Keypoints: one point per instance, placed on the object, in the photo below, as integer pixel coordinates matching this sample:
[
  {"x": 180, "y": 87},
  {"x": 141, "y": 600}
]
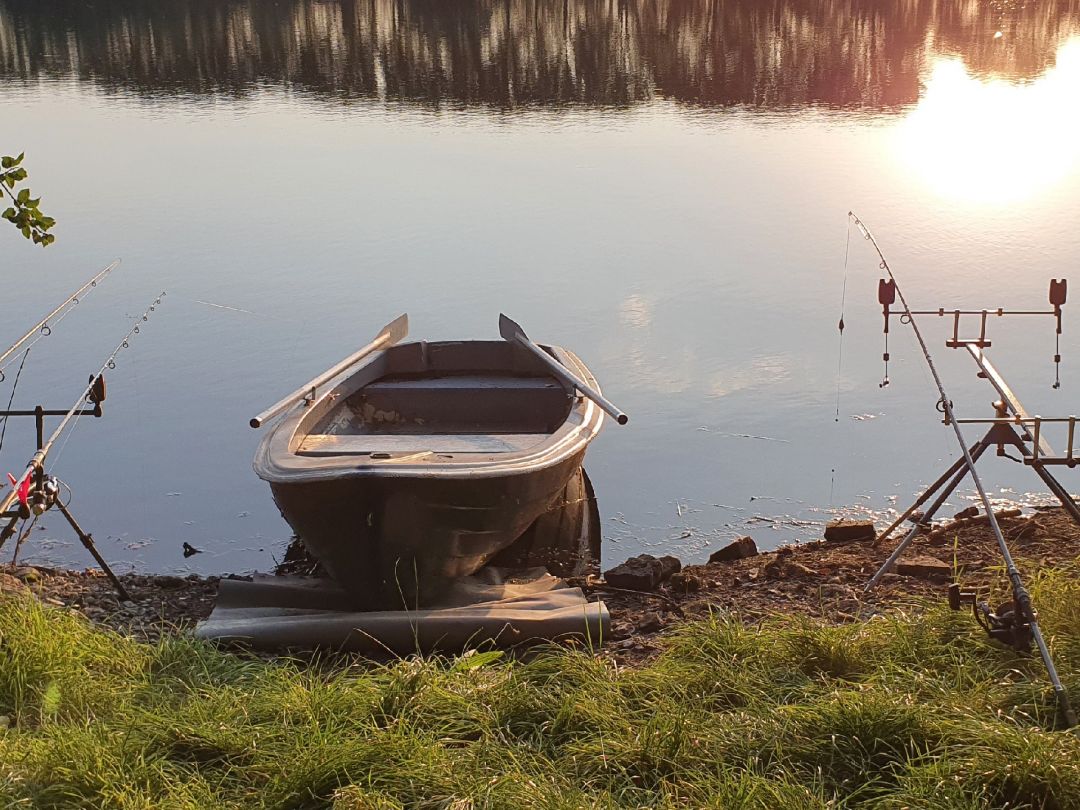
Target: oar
[
  {"x": 513, "y": 332},
  {"x": 387, "y": 337}
]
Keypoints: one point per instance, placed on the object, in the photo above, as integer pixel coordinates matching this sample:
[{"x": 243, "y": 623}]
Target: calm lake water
[{"x": 660, "y": 185}]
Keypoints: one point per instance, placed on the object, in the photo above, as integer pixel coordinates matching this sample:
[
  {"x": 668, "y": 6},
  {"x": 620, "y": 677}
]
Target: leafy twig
[{"x": 24, "y": 212}]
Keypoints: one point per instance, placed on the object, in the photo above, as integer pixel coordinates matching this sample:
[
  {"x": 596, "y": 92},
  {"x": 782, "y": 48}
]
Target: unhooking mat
[{"x": 271, "y": 613}]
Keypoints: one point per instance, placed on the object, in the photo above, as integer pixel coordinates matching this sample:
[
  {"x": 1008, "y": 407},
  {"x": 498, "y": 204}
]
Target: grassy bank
[{"x": 906, "y": 711}]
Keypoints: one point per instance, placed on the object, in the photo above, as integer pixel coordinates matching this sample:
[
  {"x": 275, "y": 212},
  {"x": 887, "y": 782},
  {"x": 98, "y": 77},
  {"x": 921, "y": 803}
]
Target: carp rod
[
  {"x": 1021, "y": 597},
  {"x": 42, "y": 327},
  {"x": 95, "y": 393}
]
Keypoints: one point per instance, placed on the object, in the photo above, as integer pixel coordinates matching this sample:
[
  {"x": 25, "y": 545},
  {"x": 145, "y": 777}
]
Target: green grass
[{"x": 908, "y": 711}]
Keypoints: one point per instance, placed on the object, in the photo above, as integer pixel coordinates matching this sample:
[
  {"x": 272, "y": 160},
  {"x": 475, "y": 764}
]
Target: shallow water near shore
[{"x": 660, "y": 186}]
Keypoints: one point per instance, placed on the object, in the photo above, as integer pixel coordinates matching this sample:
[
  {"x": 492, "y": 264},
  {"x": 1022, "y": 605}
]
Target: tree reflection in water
[{"x": 509, "y": 53}]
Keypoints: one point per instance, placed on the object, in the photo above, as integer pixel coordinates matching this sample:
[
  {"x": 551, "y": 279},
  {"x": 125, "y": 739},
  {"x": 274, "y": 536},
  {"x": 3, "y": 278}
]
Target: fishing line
[
  {"x": 14, "y": 388},
  {"x": 840, "y": 353},
  {"x": 840, "y": 326},
  {"x": 42, "y": 327},
  {"x": 24, "y": 532},
  {"x": 241, "y": 310},
  {"x": 77, "y": 411},
  {"x": 43, "y": 332},
  {"x": 1020, "y": 594}
]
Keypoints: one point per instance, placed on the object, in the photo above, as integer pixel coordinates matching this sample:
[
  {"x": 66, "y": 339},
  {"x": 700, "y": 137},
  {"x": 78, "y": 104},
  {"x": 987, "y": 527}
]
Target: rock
[
  {"x": 649, "y": 623},
  {"x": 168, "y": 581},
  {"x": 786, "y": 568},
  {"x": 738, "y": 549},
  {"x": 845, "y": 530},
  {"x": 970, "y": 512},
  {"x": 10, "y": 584},
  {"x": 669, "y": 566},
  {"x": 28, "y": 575},
  {"x": 641, "y": 573},
  {"x": 682, "y": 582},
  {"x": 925, "y": 568},
  {"x": 794, "y": 569}
]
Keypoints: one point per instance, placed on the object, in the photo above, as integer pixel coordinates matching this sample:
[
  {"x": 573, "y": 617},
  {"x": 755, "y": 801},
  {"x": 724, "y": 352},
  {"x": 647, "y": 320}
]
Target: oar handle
[
  {"x": 309, "y": 387},
  {"x": 390, "y": 334},
  {"x": 567, "y": 376}
]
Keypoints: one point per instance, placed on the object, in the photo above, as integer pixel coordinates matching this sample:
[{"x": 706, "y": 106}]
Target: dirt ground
[
  {"x": 817, "y": 578},
  {"x": 827, "y": 579}
]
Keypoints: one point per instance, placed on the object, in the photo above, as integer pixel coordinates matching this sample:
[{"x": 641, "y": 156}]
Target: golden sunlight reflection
[{"x": 992, "y": 141}]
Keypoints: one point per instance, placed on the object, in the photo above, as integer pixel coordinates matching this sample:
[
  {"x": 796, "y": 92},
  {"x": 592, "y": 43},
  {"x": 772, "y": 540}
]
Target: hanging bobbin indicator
[
  {"x": 1058, "y": 291},
  {"x": 886, "y": 296},
  {"x": 959, "y": 317}
]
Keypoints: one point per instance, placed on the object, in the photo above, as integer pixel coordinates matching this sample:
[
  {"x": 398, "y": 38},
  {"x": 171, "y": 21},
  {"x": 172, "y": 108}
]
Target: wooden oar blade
[
  {"x": 510, "y": 329},
  {"x": 396, "y": 330}
]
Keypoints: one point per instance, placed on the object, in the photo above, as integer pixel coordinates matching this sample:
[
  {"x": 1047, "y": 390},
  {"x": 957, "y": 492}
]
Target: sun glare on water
[{"x": 991, "y": 141}]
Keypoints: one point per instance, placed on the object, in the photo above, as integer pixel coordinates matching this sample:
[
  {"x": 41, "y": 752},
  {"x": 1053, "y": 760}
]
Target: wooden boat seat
[
  {"x": 472, "y": 404},
  {"x": 360, "y": 444}
]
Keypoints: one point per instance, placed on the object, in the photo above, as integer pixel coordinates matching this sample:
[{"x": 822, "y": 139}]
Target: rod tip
[
  {"x": 254, "y": 422},
  {"x": 622, "y": 418}
]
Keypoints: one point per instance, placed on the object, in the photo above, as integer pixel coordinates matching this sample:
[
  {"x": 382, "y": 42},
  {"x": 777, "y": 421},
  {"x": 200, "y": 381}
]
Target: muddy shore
[{"x": 817, "y": 578}]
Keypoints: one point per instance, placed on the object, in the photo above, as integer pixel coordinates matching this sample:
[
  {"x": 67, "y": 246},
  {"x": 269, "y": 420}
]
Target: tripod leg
[
  {"x": 1058, "y": 490},
  {"x": 927, "y": 495},
  {"x": 9, "y": 530},
  {"x": 977, "y": 450},
  {"x": 88, "y": 541}
]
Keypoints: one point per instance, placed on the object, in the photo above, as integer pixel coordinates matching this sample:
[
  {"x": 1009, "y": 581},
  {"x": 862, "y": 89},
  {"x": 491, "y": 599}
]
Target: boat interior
[{"x": 443, "y": 398}]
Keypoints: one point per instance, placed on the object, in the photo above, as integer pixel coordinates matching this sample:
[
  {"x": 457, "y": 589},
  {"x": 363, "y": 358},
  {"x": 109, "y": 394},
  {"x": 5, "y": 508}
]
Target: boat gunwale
[{"x": 277, "y": 460}]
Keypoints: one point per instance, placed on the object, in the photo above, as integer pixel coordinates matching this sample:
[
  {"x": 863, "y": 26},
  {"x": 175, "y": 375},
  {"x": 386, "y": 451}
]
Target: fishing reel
[
  {"x": 44, "y": 496},
  {"x": 37, "y": 494},
  {"x": 1007, "y": 624}
]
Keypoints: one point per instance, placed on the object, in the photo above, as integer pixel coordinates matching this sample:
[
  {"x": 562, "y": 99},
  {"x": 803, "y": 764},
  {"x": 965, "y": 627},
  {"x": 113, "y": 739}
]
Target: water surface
[{"x": 660, "y": 186}]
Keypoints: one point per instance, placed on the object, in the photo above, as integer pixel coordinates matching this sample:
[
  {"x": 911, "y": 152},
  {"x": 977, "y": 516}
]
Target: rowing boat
[{"x": 419, "y": 462}]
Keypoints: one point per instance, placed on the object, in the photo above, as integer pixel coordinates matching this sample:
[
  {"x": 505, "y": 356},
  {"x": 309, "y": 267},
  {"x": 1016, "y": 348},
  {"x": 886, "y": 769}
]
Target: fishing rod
[
  {"x": 94, "y": 393},
  {"x": 1021, "y": 598},
  {"x": 42, "y": 327}
]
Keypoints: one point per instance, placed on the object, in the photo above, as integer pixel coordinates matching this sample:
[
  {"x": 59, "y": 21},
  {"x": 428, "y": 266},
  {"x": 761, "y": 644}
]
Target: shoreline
[{"x": 818, "y": 579}]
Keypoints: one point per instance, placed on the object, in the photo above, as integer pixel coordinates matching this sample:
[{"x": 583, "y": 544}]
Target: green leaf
[
  {"x": 26, "y": 231},
  {"x": 24, "y": 195},
  {"x": 7, "y": 162},
  {"x": 9, "y": 214}
]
